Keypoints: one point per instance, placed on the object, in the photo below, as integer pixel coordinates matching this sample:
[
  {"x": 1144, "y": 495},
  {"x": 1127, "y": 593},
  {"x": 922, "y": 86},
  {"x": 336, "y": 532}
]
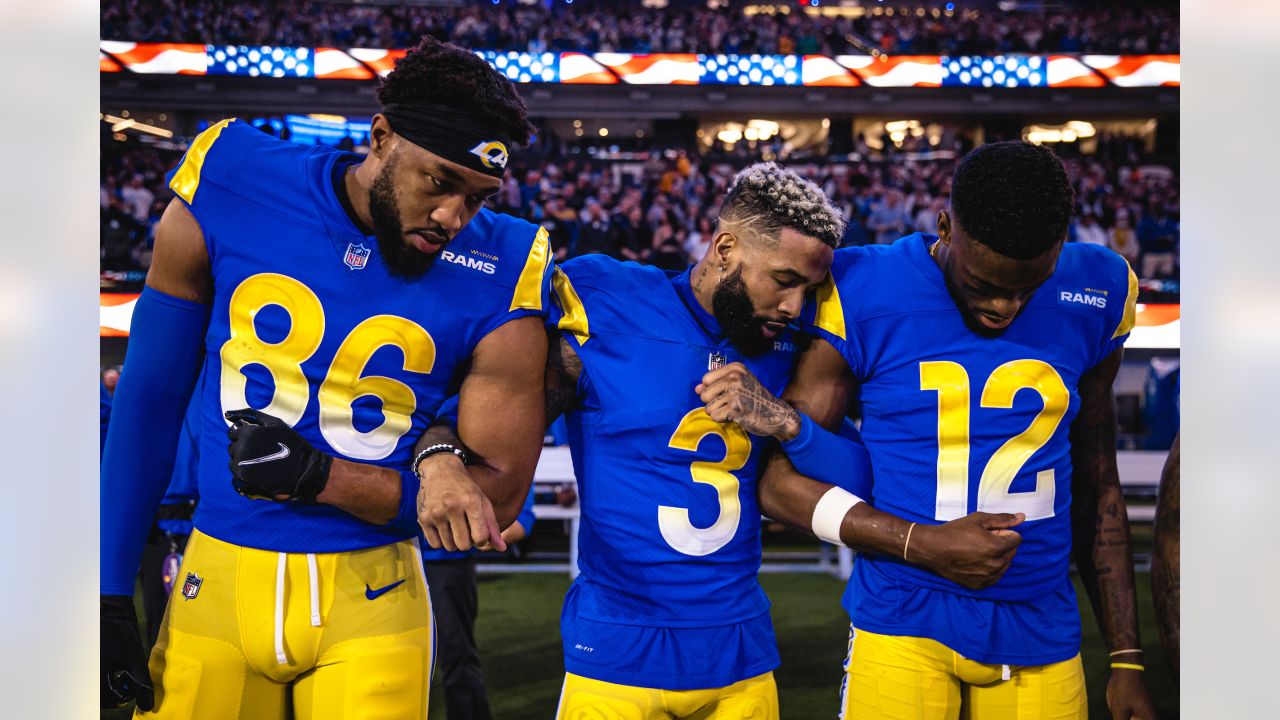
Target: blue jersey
[
  {"x": 957, "y": 423},
  {"x": 308, "y": 325},
  {"x": 669, "y": 539}
]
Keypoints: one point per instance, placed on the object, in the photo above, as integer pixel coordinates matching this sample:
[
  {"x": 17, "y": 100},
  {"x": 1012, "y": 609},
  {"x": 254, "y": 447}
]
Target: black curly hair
[
  {"x": 439, "y": 72},
  {"x": 1014, "y": 197}
]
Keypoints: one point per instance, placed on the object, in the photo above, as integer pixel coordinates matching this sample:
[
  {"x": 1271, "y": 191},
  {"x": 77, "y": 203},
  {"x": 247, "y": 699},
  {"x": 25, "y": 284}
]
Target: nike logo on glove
[
  {"x": 284, "y": 453},
  {"x": 371, "y": 594}
]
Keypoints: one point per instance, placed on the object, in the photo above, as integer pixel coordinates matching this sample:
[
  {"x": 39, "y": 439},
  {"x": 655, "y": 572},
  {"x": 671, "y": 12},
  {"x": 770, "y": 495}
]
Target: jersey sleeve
[
  {"x": 827, "y": 315},
  {"x": 1123, "y": 316},
  {"x": 206, "y": 159},
  {"x": 529, "y": 293}
]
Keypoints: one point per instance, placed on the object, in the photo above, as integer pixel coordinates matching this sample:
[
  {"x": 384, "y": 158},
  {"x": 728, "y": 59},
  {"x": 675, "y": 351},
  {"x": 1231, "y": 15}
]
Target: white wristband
[{"x": 829, "y": 514}]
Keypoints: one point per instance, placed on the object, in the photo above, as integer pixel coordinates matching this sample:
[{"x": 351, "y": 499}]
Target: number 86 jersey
[
  {"x": 307, "y": 324},
  {"x": 956, "y": 423}
]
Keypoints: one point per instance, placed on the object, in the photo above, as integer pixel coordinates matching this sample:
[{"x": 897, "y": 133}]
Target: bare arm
[
  {"x": 1165, "y": 561},
  {"x": 973, "y": 551},
  {"x": 180, "y": 262},
  {"x": 1100, "y": 530},
  {"x": 500, "y": 420}
]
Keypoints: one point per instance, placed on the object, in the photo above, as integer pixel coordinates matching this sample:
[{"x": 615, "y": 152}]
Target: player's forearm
[
  {"x": 1101, "y": 530},
  {"x": 503, "y": 477},
  {"x": 1165, "y": 565},
  {"x": 369, "y": 492},
  {"x": 791, "y": 498}
]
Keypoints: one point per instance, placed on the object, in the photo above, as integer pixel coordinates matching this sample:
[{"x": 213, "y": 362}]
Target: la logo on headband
[{"x": 492, "y": 153}]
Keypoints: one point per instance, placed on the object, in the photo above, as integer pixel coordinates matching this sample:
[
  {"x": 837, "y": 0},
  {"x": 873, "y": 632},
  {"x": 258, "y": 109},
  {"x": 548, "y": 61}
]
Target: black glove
[
  {"x": 124, "y": 665},
  {"x": 270, "y": 461}
]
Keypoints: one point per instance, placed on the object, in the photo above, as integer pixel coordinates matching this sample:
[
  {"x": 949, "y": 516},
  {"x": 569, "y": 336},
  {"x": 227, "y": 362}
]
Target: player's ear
[
  {"x": 380, "y": 134},
  {"x": 944, "y": 227},
  {"x": 722, "y": 247}
]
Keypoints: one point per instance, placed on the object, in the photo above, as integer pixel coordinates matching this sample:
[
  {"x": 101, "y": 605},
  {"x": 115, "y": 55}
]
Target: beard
[
  {"x": 732, "y": 307},
  {"x": 402, "y": 260}
]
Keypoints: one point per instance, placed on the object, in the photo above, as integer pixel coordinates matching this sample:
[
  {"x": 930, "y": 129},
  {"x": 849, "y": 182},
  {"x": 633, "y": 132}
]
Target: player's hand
[
  {"x": 271, "y": 461},
  {"x": 1127, "y": 696},
  {"x": 123, "y": 663},
  {"x": 733, "y": 394},
  {"x": 453, "y": 511},
  {"x": 973, "y": 551}
]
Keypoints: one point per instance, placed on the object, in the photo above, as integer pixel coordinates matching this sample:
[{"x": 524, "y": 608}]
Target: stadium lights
[
  {"x": 1068, "y": 132},
  {"x": 120, "y": 124}
]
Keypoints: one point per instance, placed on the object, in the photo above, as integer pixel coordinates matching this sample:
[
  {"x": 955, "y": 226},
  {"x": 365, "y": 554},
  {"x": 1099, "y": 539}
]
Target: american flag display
[
  {"x": 260, "y": 61},
  {"x": 822, "y": 71},
  {"x": 1000, "y": 71},
  {"x": 156, "y": 58},
  {"x": 658, "y": 69},
  {"x": 750, "y": 69},
  {"x": 1137, "y": 70},
  {"x": 524, "y": 67},
  {"x": 895, "y": 71}
]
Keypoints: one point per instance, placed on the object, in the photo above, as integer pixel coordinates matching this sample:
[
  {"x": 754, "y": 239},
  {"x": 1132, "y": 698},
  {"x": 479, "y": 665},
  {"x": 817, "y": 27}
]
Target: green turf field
[{"x": 519, "y": 638}]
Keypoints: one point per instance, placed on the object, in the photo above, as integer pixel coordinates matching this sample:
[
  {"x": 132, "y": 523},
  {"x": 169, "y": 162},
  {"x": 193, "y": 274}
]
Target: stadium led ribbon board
[{"x": 979, "y": 71}]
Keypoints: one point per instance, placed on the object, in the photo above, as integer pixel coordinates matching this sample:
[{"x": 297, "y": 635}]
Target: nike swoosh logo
[
  {"x": 284, "y": 453},
  {"x": 371, "y": 594}
]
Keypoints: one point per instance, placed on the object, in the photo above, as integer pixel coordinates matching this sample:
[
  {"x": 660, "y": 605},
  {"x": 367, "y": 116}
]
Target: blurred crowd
[
  {"x": 662, "y": 210},
  {"x": 610, "y": 26}
]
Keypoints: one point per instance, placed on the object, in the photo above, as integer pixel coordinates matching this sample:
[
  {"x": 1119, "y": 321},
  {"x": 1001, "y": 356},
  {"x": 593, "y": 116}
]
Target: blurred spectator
[
  {"x": 889, "y": 220},
  {"x": 1158, "y": 238},
  {"x": 594, "y": 236},
  {"x": 137, "y": 199},
  {"x": 1089, "y": 231},
  {"x": 1123, "y": 239},
  {"x": 699, "y": 240}
]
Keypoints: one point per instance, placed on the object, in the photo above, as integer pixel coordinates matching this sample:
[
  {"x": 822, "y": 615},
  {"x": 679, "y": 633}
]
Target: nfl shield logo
[
  {"x": 191, "y": 587},
  {"x": 715, "y": 361},
  {"x": 356, "y": 257}
]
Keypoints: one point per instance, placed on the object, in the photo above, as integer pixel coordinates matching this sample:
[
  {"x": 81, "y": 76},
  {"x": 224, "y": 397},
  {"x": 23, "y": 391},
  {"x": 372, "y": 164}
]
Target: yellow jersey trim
[
  {"x": 187, "y": 179},
  {"x": 528, "y": 295},
  {"x": 830, "y": 315},
  {"x": 1130, "y": 316},
  {"x": 574, "y": 317}
]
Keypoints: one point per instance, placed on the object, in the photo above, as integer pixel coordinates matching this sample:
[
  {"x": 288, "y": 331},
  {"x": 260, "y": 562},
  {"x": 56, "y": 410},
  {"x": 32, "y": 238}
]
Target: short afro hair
[
  {"x": 1014, "y": 197},
  {"x": 438, "y": 72},
  {"x": 766, "y": 198}
]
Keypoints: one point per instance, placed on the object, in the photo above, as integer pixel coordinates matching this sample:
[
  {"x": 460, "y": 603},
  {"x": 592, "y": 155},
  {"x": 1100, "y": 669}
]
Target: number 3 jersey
[
  {"x": 955, "y": 423},
  {"x": 307, "y": 324},
  {"x": 669, "y": 542}
]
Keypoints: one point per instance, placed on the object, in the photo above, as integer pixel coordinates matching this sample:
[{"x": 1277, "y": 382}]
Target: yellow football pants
[
  {"x": 586, "y": 699},
  {"x": 909, "y": 678},
  {"x": 261, "y": 635}
]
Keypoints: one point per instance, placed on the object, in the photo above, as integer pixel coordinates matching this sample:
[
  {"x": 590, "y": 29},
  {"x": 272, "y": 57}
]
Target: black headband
[{"x": 456, "y": 136}]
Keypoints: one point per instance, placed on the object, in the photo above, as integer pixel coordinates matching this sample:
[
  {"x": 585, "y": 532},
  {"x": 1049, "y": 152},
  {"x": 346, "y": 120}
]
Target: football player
[
  {"x": 984, "y": 360},
  {"x": 339, "y": 299}
]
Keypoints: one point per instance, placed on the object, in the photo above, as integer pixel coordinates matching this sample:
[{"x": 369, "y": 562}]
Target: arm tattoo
[
  {"x": 761, "y": 413},
  {"x": 1165, "y": 564},
  {"x": 564, "y": 367},
  {"x": 1100, "y": 519}
]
